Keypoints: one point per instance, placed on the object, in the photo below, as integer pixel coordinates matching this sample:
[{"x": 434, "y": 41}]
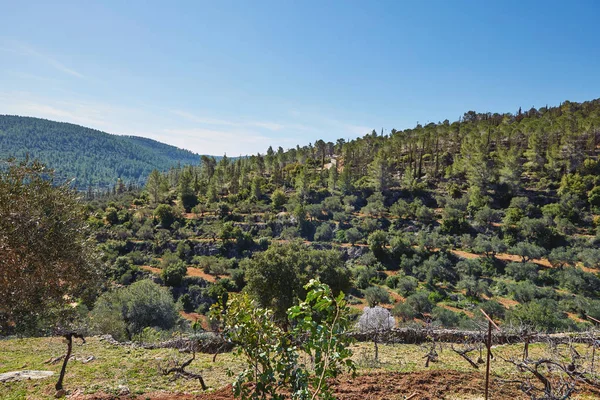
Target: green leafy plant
[{"x": 272, "y": 356}]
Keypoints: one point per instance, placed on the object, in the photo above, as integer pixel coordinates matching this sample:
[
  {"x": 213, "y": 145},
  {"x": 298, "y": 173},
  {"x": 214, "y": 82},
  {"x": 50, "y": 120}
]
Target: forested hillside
[
  {"x": 92, "y": 157},
  {"x": 499, "y": 212},
  {"x": 439, "y": 226}
]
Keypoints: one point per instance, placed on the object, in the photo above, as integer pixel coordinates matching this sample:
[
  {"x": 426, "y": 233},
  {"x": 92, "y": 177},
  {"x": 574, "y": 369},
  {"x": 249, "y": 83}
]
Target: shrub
[
  {"x": 522, "y": 271},
  {"x": 174, "y": 273},
  {"x": 407, "y": 285},
  {"x": 493, "y": 309},
  {"x": 420, "y": 302},
  {"x": 353, "y": 235},
  {"x": 127, "y": 311},
  {"x": 376, "y": 295},
  {"x": 542, "y": 315},
  {"x": 324, "y": 233},
  {"x": 377, "y": 242},
  {"x": 165, "y": 215},
  {"x": 444, "y": 317},
  {"x": 405, "y": 311},
  {"x": 272, "y": 356}
]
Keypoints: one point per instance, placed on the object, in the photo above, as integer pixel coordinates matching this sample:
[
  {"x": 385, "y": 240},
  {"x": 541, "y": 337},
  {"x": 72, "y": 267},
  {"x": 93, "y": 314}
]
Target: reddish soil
[
  {"x": 542, "y": 262},
  {"x": 154, "y": 270},
  {"x": 395, "y": 296},
  {"x": 507, "y": 303},
  {"x": 193, "y": 316},
  {"x": 191, "y": 271},
  {"x": 464, "y": 254},
  {"x": 457, "y": 310},
  {"x": 427, "y": 385}
]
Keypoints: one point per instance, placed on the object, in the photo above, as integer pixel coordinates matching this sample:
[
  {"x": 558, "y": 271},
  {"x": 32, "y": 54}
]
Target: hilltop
[{"x": 92, "y": 157}]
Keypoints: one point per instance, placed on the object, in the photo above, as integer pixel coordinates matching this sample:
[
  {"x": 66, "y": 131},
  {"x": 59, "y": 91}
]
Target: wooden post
[
  {"x": 487, "y": 363},
  {"x": 489, "y": 352},
  {"x": 593, "y": 343}
]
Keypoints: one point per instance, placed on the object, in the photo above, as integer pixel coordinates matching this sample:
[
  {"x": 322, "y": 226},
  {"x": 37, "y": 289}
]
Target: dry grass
[{"x": 138, "y": 369}]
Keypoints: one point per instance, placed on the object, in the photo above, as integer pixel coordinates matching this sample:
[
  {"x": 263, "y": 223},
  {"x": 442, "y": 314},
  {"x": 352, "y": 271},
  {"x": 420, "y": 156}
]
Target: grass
[
  {"x": 113, "y": 366},
  {"x": 139, "y": 369}
]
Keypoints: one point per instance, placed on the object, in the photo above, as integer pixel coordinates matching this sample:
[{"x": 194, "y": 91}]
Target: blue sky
[{"x": 237, "y": 76}]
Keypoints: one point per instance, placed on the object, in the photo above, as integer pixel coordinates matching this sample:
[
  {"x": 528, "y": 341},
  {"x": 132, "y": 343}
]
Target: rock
[
  {"x": 123, "y": 390},
  {"x": 15, "y": 376}
]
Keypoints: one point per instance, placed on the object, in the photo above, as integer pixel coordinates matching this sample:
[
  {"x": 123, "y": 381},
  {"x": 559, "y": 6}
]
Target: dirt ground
[{"x": 427, "y": 385}]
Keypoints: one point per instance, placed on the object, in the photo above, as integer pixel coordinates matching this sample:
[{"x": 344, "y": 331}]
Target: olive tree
[
  {"x": 276, "y": 277},
  {"x": 47, "y": 258}
]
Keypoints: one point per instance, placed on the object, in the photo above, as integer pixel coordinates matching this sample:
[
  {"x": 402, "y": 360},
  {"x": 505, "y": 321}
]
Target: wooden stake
[
  {"x": 489, "y": 352},
  {"x": 487, "y": 363}
]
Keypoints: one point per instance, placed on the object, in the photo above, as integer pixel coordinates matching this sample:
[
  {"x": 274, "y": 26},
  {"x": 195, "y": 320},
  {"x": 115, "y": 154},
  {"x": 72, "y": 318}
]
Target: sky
[{"x": 235, "y": 77}]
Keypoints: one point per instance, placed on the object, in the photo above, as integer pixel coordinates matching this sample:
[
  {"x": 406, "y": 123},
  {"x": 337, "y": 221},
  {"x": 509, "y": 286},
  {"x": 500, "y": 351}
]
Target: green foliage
[
  {"x": 94, "y": 158},
  {"x": 323, "y": 321},
  {"x": 173, "y": 273},
  {"x": 47, "y": 260},
  {"x": 444, "y": 317},
  {"x": 276, "y": 277},
  {"x": 407, "y": 285},
  {"x": 494, "y": 168},
  {"x": 594, "y": 197},
  {"x": 522, "y": 271},
  {"x": 377, "y": 242},
  {"x": 165, "y": 215},
  {"x": 278, "y": 199},
  {"x": 473, "y": 287},
  {"x": 419, "y": 302},
  {"x": 542, "y": 315},
  {"x": 272, "y": 356},
  {"x": 127, "y": 311},
  {"x": 324, "y": 233},
  {"x": 376, "y": 295},
  {"x": 353, "y": 235},
  {"x": 527, "y": 251}
]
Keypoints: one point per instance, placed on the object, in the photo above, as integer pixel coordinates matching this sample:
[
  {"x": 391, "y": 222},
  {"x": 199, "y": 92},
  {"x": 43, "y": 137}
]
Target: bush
[
  {"x": 127, "y": 311},
  {"x": 542, "y": 315},
  {"x": 272, "y": 355},
  {"x": 165, "y": 215},
  {"x": 376, "y": 295},
  {"x": 494, "y": 309},
  {"x": 174, "y": 273},
  {"x": 392, "y": 281},
  {"x": 420, "y": 302},
  {"x": 353, "y": 235},
  {"x": 377, "y": 242},
  {"x": 324, "y": 233},
  {"x": 405, "y": 311},
  {"x": 444, "y": 317},
  {"x": 407, "y": 285},
  {"x": 522, "y": 271}
]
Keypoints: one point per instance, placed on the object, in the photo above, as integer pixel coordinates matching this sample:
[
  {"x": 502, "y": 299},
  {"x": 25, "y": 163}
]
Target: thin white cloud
[
  {"x": 272, "y": 126},
  {"x": 326, "y": 123},
  {"x": 27, "y": 50},
  {"x": 220, "y": 141}
]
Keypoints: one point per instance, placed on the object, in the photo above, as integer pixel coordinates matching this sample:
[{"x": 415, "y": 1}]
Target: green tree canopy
[
  {"x": 276, "y": 277},
  {"x": 47, "y": 260}
]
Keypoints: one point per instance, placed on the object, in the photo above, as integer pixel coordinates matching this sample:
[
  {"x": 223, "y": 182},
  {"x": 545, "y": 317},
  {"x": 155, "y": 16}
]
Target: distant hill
[{"x": 92, "y": 157}]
